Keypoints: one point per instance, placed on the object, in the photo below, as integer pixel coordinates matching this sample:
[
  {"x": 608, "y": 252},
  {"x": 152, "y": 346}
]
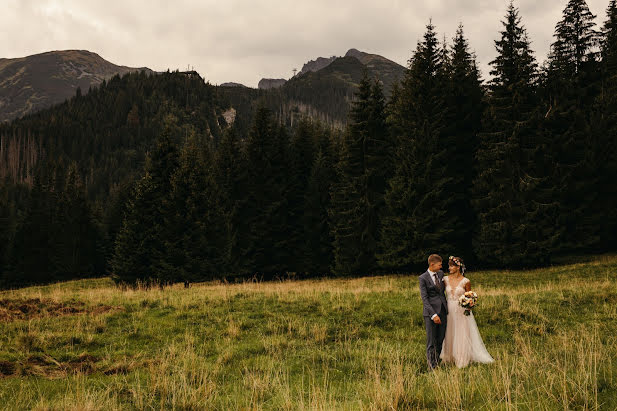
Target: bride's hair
[{"x": 458, "y": 261}]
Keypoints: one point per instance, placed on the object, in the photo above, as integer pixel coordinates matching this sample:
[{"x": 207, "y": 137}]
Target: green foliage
[
  {"x": 516, "y": 211},
  {"x": 605, "y": 132},
  {"x": 267, "y": 213},
  {"x": 196, "y": 245},
  {"x": 301, "y": 159},
  {"x": 57, "y": 237},
  {"x": 422, "y": 213},
  {"x": 318, "y": 259},
  {"x": 141, "y": 250},
  {"x": 231, "y": 176},
  {"x": 357, "y": 195},
  {"x": 577, "y": 148},
  {"x": 463, "y": 97}
]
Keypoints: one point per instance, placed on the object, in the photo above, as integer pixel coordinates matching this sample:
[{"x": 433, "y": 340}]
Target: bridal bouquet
[{"x": 468, "y": 301}]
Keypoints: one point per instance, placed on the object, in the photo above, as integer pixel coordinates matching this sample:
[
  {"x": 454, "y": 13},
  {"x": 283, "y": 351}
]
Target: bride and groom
[{"x": 451, "y": 336}]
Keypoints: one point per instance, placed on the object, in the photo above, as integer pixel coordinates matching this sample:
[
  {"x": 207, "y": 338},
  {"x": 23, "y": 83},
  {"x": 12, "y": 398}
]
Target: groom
[{"x": 435, "y": 310}]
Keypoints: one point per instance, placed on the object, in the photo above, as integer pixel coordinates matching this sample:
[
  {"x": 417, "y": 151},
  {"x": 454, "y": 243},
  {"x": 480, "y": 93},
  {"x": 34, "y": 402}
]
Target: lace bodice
[{"x": 456, "y": 292}]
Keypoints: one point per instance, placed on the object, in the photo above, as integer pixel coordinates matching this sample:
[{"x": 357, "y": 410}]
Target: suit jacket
[{"x": 432, "y": 298}]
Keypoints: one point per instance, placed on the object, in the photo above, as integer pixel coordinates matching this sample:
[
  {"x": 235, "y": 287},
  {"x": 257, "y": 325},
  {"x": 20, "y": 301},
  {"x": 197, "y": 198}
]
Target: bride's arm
[{"x": 468, "y": 285}]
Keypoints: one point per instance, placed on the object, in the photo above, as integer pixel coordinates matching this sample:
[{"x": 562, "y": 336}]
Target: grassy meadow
[{"x": 315, "y": 344}]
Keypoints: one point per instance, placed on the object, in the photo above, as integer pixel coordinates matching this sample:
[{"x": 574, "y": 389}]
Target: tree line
[{"x": 510, "y": 173}]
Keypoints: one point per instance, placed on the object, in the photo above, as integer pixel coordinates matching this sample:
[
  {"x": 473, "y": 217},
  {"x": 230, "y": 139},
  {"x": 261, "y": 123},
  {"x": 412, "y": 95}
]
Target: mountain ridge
[{"x": 32, "y": 83}]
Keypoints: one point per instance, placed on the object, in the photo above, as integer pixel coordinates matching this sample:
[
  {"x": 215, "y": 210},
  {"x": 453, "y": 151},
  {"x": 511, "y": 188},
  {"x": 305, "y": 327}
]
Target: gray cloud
[{"x": 243, "y": 41}]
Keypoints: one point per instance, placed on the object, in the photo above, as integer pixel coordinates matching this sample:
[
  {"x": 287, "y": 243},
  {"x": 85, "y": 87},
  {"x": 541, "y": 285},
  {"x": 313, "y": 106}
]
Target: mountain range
[
  {"x": 32, "y": 83},
  {"x": 323, "y": 88}
]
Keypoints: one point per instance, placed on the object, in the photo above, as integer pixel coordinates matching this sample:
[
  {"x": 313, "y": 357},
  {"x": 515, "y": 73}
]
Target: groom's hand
[{"x": 437, "y": 320}]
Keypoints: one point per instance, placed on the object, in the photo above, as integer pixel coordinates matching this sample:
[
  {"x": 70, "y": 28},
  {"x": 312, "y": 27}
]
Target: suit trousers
[{"x": 435, "y": 334}]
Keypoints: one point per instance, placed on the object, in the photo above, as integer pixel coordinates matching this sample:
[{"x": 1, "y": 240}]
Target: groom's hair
[{"x": 434, "y": 258}]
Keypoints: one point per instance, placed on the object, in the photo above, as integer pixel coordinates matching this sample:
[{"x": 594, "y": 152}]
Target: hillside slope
[{"x": 31, "y": 83}]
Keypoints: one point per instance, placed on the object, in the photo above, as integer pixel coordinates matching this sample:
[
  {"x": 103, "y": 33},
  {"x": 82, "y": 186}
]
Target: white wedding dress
[{"x": 462, "y": 343}]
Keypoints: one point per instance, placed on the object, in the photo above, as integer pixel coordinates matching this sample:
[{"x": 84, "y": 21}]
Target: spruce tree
[
  {"x": 318, "y": 257},
  {"x": 418, "y": 199},
  {"x": 606, "y": 132},
  {"x": 136, "y": 241},
  {"x": 7, "y": 228},
  {"x": 515, "y": 225},
  {"x": 76, "y": 244},
  {"x": 572, "y": 81},
  {"x": 231, "y": 173},
  {"x": 463, "y": 96},
  {"x": 576, "y": 39},
  {"x": 30, "y": 257},
  {"x": 301, "y": 156},
  {"x": 267, "y": 207},
  {"x": 357, "y": 196},
  {"x": 197, "y": 245},
  {"x": 141, "y": 251},
  {"x": 609, "y": 41}
]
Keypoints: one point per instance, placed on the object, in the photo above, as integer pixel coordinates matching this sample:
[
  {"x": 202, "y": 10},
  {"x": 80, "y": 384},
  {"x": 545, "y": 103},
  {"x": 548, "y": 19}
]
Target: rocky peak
[
  {"x": 318, "y": 64},
  {"x": 268, "y": 83}
]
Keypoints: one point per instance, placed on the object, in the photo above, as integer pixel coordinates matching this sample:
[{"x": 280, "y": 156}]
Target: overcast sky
[{"x": 245, "y": 40}]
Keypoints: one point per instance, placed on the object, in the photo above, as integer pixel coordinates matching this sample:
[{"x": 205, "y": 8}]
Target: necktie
[{"x": 437, "y": 281}]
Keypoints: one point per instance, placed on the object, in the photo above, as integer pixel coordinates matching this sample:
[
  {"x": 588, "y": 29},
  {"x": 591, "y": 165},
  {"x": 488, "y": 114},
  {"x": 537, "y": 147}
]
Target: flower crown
[{"x": 458, "y": 262}]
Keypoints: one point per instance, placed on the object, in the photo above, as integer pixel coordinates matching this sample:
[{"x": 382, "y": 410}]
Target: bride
[{"x": 462, "y": 343}]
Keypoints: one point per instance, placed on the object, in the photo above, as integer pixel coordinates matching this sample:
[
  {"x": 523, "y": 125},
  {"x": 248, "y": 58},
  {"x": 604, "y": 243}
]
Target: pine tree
[
  {"x": 76, "y": 244},
  {"x": 230, "y": 172},
  {"x": 357, "y": 196},
  {"x": 141, "y": 245},
  {"x": 418, "y": 222},
  {"x": 302, "y": 154},
  {"x": 30, "y": 258},
  {"x": 514, "y": 224},
  {"x": 134, "y": 254},
  {"x": 605, "y": 130},
  {"x": 7, "y": 228},
  {"x": 197, "y": 246},
  {"x": 576, "y": 39},
  {"x": 463, "y": 96},
  {"x": 572, "y": 81},
  {"x": 267, "y": 207},
  {"x": 318, "y": 258},
  {"x": 609, "y": 41}
]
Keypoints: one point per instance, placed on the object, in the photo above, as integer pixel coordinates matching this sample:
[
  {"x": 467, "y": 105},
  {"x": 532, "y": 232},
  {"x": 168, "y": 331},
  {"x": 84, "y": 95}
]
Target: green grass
[{"x": 317, "y": 344}]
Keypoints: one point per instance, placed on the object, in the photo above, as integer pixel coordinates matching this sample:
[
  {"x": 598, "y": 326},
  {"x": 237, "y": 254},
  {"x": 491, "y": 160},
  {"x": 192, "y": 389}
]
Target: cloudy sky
[{"x": 245, "y": 40}]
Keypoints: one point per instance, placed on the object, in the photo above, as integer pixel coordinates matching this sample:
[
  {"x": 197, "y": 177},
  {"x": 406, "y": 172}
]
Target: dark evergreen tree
[
  {"x": 419, "y": 198},
  {"x": 76, "y": 246},
  {"x": 231, "y": 173},
  {"x": 463, "y": 96},
  {"x": 576, "y": 39},
  {"x": 515, "y": 224},
  {"x": 609, "y": 41},
  {"x": 301, "y": 156},
  {"x": 134, "y": 254},
  {"x": 8, "y": 221},
  {"x": 141, "y": 251},
  {"x": 197, "y": 244},
  {"x": 572, "y": 81},
  {"x": 267, "y": 207},
  {"x": 357, "y": 196},
  {"x": 318, "y": 258},
  {"x": 30, "y": 258},
  {"x": 57, "y": 237},
  {"x": 605, "y": 132}
]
